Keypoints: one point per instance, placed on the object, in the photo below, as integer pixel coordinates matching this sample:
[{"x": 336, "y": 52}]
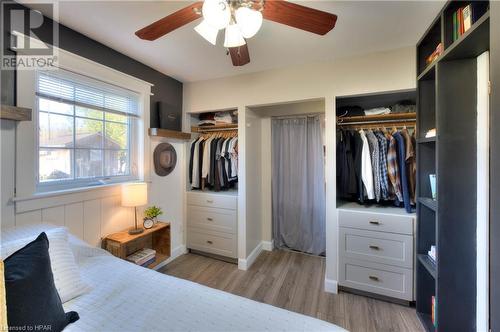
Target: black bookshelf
[{"x": 446, "y": 91}]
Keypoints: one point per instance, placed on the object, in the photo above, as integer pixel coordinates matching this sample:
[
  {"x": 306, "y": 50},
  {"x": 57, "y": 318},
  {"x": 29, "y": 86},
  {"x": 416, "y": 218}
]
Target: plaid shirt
[
  {"x": 384, "y": 183},
  {"x": 392, "y": 167},
  {"x": 374, "y": 152}
]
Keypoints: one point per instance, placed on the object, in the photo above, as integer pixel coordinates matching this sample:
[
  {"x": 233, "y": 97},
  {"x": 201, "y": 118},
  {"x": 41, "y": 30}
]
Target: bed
[{"x": 126, "y": 297}]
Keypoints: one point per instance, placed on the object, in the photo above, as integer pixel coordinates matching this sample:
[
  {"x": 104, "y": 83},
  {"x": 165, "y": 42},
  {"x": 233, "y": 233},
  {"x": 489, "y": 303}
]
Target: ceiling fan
[{"x": 241, "y": 20}]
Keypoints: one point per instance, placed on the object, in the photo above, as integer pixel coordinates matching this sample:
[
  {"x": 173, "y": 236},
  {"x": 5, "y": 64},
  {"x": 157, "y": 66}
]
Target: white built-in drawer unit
[
  {"x": 212, "y": 223},
  {"x": 376, "y": 248},
  {"x": 375, "y": 278}
]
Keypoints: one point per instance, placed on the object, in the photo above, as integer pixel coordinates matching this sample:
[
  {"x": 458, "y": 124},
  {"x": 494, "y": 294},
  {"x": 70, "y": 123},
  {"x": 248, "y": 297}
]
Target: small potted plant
[{"x": 152, "y": 213}]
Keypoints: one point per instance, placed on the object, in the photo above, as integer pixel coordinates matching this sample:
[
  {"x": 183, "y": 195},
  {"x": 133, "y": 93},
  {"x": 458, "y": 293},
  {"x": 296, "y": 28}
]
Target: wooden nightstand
[{"x": 122, "y": 244}]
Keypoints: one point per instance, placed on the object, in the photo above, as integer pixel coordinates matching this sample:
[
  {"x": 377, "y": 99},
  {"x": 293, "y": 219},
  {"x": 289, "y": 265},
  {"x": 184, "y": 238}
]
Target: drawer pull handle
[
  {"x": 373, "y": 278},
  {"x": 210, "y": 219},
  {"x": 209, "y": 242},
  {"x": 209, "y": 201},
  {"x": 375, "y": 223},
  {"x": 375, "y": 247}
]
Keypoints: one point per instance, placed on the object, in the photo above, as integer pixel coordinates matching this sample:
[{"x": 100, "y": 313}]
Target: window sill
[{"x": 55, "y": 193}]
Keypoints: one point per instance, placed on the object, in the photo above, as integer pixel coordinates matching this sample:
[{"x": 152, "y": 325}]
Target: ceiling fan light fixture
[
  {"x": 217, "y": 13},
  {"x": 249, "y": 21},
  {"x": 207, "y": 31},
  {"x": 234, "y": 38}
]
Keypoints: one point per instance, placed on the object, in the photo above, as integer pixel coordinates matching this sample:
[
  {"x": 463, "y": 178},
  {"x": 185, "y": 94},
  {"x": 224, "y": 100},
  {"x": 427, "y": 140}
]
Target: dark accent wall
[
  {"x": 495, "y": 166},
  {"x": 166, "y": 89}
]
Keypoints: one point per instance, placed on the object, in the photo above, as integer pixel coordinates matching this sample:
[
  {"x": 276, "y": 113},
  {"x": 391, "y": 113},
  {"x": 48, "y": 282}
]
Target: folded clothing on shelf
[
  {"x": 223, "y": 117},
  {"x": 350, "y": 111},
  {"x": 404, "y": 107},
  {"x": 378, "y": 111}
]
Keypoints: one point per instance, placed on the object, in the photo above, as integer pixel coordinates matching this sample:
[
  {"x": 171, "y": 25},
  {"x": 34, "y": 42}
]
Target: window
[{"x": 85, "y": 131}]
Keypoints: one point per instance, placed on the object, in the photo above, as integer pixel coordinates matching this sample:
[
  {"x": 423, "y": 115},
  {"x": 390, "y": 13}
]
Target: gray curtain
[{"x": 298, "y": 184}]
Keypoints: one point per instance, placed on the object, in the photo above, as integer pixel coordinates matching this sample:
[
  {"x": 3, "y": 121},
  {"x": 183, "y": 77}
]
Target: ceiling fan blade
[
  {"x": 300, "y": 17},
  {"x": 239, "y": 55},
  {"x": 171, "y": 22}
]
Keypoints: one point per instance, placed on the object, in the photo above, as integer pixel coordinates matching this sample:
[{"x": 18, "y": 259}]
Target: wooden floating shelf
[
  {"x": 218, "y": 127},
  {"x": 15, "y": 113},
  {"x": 375, "y": 118},
  {"x": 158, "y": 132}
]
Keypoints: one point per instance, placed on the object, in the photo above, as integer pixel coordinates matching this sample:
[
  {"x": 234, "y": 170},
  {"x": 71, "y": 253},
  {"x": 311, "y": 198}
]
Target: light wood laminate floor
[{"x": 294, "y": 281}]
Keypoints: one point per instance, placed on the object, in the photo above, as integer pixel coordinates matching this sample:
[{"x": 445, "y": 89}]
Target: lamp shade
[
  {"x": 233, "y": 37},
  {"x": 249, "y": 21},
  {"x": 207, "y": 31},
  {"x": 217, "y": 13},
  {"x": 134, "y": 194}
]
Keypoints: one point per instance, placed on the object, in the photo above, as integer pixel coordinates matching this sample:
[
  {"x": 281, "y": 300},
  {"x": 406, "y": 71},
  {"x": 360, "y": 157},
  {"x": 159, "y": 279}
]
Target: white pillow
[{"x": 66, "y": 274}]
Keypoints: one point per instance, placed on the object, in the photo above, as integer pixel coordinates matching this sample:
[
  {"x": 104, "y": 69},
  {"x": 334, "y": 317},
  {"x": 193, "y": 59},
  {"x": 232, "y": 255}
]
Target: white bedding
[{"x": 126, "y": 297}]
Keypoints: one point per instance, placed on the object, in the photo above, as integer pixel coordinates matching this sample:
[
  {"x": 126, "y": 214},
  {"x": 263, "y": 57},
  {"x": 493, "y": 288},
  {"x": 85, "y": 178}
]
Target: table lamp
[{"x": 134, "y": 195}]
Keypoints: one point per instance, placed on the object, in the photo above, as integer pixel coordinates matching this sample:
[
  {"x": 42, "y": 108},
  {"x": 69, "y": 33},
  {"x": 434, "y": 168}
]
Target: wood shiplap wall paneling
[
  {"x": 53, "y": 215},
  {"x": 92, "y": 222},
  {"x": 29, "y": 218},
  {"x": 73, "y": 219}
]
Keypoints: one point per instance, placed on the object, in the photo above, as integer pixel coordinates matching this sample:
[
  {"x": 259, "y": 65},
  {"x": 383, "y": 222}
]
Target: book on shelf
[
  {"x": 151, "y": 261},
  {"x": 142, "y": 256},
  {"x": 434, "y": 311},
  {"x": 432, "y": 254},
  {"x": 432, "y": 181},
  {"x": 465, "y": 17}
]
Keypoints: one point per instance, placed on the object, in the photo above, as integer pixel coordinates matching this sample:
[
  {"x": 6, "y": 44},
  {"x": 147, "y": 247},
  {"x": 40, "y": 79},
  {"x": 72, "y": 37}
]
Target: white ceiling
[{"x": 362, "y": 27}]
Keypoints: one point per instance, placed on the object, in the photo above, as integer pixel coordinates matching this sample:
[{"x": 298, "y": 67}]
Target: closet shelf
[
  {"x": 429, "y": 72},
  {"x": 377, "y": 118},
  {"x": 15, "y": 113},
  {"x": 426, "y": 321},
  {"x": 428, "y": 264},
  {"x": 472, "y": 43},
  {"x": 157, "y": 132},
  {"x": 428, "y": 202},
  {"x": 218, "y": 127},
  {"x": 425, "y": 140}
]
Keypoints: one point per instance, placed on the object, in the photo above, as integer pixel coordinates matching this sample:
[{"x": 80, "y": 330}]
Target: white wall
[
  {"x": 253, "y": 175},
  {"x": 167, "y": 192},
  {"x": 385, "y": 71},
  {"x": 7, "y": 170}
]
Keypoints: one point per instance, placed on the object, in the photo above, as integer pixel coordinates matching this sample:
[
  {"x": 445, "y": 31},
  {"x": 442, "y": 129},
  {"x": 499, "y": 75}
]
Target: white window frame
[
  {"x": 26, "y": 173},
  {"x": 58, "y": 185}
]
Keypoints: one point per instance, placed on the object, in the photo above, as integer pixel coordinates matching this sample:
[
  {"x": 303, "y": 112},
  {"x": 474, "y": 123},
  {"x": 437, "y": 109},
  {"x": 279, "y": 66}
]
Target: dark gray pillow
[{"x": 32, "y": 298}]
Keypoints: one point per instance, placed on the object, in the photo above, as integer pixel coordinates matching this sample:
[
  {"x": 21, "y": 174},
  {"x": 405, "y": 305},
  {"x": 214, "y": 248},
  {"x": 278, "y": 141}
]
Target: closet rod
[
  {"x": 297, "y": 116},
  {"x": 376, "y": 122}
]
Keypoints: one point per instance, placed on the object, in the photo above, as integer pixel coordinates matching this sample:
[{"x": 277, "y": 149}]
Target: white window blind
[
  {"x": 66, "y": 87},
  {"x": 85, "y": 131}
]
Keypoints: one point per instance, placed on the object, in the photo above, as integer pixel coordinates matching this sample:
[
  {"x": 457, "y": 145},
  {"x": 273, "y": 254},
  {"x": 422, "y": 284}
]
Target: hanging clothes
[
  {"x": 213, "y": 162},
  {"x": 381, "y": 165},
  {"x": 401, "y": 152},
  {"x": 366, "y": 167}
]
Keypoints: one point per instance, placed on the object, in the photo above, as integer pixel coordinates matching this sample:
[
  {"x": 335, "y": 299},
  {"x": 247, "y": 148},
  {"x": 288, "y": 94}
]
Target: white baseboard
[
  {"x": 331, "y": 286},
  {"x": 178, "y": 251},
  {"x": 268, "y": 245},
  {"x": 244, "y": 264}
]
